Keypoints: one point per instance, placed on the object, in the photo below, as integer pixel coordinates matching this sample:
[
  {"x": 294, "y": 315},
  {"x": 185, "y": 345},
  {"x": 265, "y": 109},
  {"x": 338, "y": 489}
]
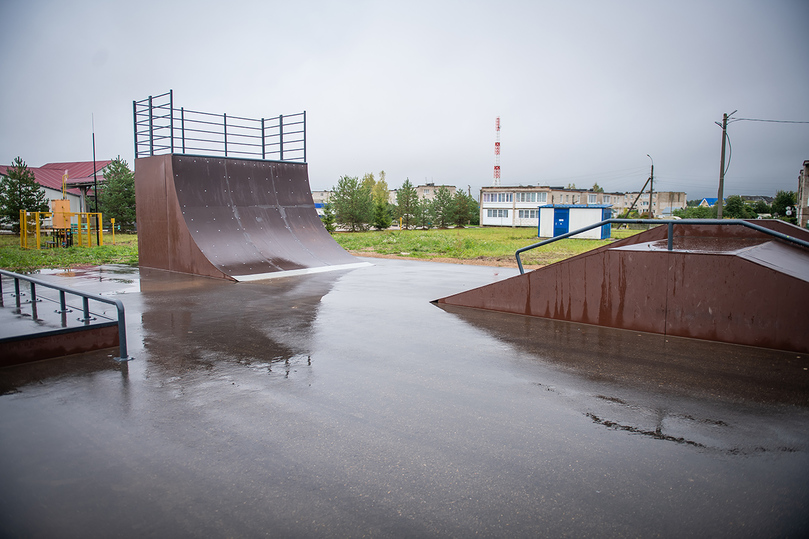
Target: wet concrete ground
[{"x": 346, "y": 404}]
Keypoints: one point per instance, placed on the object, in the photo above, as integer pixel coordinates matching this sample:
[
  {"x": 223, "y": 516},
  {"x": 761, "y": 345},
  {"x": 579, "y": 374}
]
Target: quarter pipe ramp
[{"x": 236, "y": 219}]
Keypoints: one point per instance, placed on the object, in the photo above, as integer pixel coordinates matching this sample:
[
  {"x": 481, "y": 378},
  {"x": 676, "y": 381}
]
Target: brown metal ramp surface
[
  {"x": 238, "y": 219},
  {"x": 719, "y": 283}
]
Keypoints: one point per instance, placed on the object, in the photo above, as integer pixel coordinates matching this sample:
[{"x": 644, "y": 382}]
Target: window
[
  {"x": 426, "y": 192},
  {"x": 592, "y": 198},
  {"x": 497, "y": 213},
  {"x": 526, "y": 197},
  {"x": 498, "y": 197},
  {"x": 528, "y": 214},
  {"x": 532, "y": 197},
  {"x": 607, "y": 199}
]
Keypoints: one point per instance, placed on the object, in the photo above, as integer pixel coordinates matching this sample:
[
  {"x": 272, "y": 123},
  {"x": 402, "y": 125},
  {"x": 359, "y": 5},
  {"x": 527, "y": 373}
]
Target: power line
[{"x": 769, "y": 121}]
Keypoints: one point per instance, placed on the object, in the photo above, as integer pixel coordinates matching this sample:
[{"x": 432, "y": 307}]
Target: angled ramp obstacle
[{"x": 719, "y": 283}]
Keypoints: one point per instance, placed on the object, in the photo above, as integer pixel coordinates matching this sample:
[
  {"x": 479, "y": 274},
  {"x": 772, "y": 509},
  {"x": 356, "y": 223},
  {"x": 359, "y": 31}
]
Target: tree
[
  {"x": 737, "y": 208},
  {"x": 696, "y": 212},
  {"x": 475, "y": 211},
  {"x": 118, "y": 194},
  {"x": 352, "y": 203},
  {"x": 368, "y": 181},
  {"x": 20, "y": 191},
  {"x": 424, "y": 213},
  {"x": 443, "y": 207},
  {"x": 380, "y": 190},
  {"x": 380, "y": 195},
  {"x": 407, "y": 201},
  {"x": 328, "y": 218},
  {"x": 784, "y": 200},
  {"x": 596, "y": 188},
  {"x": 464, "y": 207},
  {"x": 382, "y": 218},
  {"x": 762, "y": 207}
]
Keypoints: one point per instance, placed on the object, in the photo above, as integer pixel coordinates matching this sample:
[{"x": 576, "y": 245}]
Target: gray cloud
[{"x": 584, "y": 89}]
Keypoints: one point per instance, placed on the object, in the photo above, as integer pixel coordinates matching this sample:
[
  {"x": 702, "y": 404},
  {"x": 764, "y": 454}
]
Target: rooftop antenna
[{"x": 496, "y": 181}]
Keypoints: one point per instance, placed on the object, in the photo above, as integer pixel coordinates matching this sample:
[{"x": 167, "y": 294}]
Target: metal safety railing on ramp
[
  {"x": 64, "y": 308},
  {"x": 161, "y": 128},
  {"x": 670, "y": 224}
]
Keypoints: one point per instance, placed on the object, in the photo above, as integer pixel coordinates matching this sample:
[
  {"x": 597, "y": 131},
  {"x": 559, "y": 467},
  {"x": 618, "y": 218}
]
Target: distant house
[
  {"x": 80, "y": 180},
  {"x": 709, "y": 202},
  {"x": 758, "y": 198}
]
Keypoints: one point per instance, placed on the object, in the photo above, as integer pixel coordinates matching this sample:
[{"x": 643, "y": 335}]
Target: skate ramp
[
  {"x": 719, "y": 283},
  {"x": 236, "y": 219}
]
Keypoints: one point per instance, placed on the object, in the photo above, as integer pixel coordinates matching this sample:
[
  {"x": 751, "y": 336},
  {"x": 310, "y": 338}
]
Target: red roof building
[{"x": 79, "y": 179}]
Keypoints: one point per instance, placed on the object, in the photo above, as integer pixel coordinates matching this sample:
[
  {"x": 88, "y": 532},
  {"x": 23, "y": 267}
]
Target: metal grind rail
[
  {"x": 64, "y": 308},
  {"x": 670, "y": 224}
]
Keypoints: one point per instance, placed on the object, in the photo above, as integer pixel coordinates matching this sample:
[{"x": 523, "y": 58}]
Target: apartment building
[
  {"x": 428, "y": 190},
  {"x": 519, "y": 206}
]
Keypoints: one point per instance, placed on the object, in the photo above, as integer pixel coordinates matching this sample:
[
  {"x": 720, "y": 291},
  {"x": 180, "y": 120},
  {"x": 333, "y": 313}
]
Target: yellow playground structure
[{"x": 59, "y": 227}]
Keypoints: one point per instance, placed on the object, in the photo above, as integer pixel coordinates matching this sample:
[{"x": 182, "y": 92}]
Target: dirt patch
[{"x": 499, "y": 262}]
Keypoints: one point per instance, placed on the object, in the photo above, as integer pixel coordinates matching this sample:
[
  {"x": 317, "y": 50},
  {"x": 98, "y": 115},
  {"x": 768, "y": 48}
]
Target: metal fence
[
  {"x": 63, "y": 307},
  {"x": 670, "y": 231},
  {"x": 161, "y": 128}
]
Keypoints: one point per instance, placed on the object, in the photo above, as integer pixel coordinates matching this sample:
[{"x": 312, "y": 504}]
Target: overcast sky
[{"x": 585, "y": 89}]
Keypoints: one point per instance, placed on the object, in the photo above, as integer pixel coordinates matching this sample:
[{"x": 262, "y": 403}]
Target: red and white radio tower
[{"x": 496, "y": 181}]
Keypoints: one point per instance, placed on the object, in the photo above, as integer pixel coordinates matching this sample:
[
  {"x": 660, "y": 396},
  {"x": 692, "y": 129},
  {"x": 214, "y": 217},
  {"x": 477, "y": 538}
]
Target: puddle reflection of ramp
[
  {"x": 656, "y": 363},
  {"x": 236, "y": 219},
  {"x": 712, "y": 396},
  {"x": 192, "y": 322}
]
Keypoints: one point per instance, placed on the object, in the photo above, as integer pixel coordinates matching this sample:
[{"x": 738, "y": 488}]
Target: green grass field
[
  {"x": 492, "y": 245},
  {"x": 13, "y": 258}
]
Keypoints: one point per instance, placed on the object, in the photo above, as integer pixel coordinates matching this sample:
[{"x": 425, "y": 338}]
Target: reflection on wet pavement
[
  {"x": 668, "y": 388},
  {"x": 345, "y": 404}
]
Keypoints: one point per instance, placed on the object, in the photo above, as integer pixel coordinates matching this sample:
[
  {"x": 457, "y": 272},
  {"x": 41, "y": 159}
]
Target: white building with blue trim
[
  {"x": 559, "y": 219},
  {"x": 519, "y": 206}
]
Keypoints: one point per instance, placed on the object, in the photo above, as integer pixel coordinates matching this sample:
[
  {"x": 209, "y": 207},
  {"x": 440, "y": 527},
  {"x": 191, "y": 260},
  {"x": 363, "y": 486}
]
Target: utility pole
[
  {"x": 720, "y": 196},
  {"x": 651, "y": 188}
]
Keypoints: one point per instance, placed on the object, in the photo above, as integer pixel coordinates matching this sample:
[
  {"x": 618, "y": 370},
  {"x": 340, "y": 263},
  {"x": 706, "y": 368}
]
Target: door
[
  {"x": 606, "y": 230},
  {"x": 561, "y": 221}
]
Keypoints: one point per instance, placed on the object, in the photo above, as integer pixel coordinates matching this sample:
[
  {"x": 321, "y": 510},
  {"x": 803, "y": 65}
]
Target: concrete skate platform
[{"x": 345, "y": 404}]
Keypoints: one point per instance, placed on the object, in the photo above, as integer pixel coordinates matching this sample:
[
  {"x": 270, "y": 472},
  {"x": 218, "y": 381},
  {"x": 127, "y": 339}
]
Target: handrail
[
  {"x": 160, "y": 127},
  {"x": 124, "y": 356},
  {"x": 670, "y": 224}
]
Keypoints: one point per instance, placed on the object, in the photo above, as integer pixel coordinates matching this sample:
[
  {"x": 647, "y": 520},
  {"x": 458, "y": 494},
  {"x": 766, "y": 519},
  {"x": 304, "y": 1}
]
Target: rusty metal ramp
[
  {"x": 237, "y": 219},
  {"x": 719, "y": 283}
]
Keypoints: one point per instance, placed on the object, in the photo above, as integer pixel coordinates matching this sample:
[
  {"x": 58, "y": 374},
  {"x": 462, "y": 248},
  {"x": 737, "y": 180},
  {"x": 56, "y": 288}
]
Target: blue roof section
[
  {"x": 576, "y": 206},
  {"x": 710, "y": 201}
]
